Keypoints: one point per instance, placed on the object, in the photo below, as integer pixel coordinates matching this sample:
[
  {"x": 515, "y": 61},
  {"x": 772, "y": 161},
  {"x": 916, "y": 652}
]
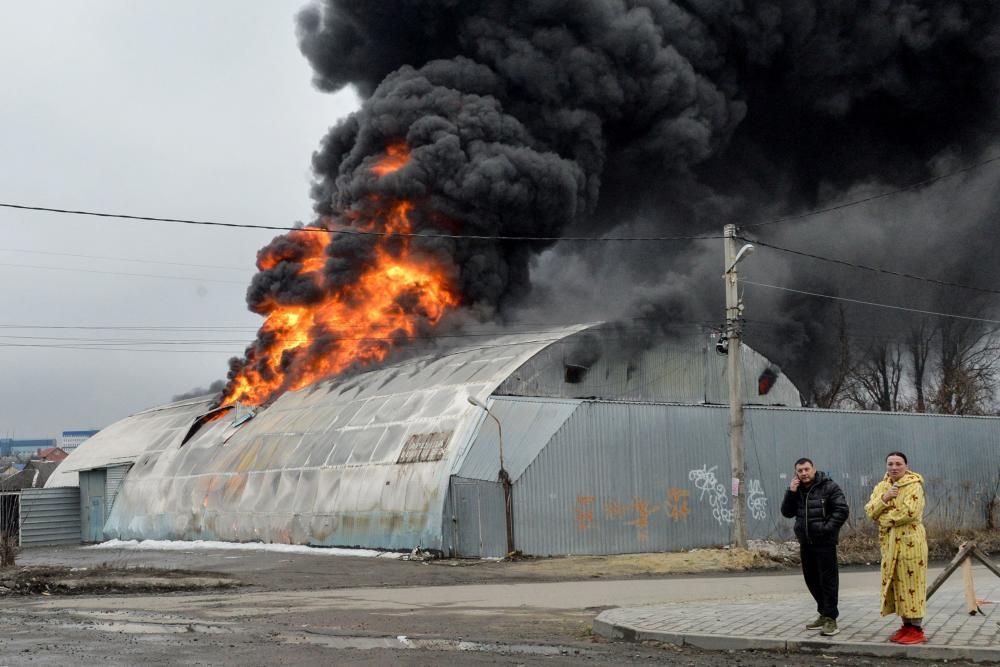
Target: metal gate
[{"x": 50, "y": 516}]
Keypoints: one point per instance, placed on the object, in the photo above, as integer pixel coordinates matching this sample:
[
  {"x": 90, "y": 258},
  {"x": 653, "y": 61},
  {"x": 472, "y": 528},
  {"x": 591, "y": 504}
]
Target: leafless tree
[
  {"x": 919, "y": 341},
  {"x": 875, "y": 380},
  {"x": 831, "y": 392},
  {"x": 9, "y": 517},
  {"x": 967, "y": 365}
]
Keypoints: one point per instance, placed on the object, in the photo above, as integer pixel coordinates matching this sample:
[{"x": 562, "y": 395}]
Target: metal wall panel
[
  {"x": 616, "y": 479},
  {"x": 956, "y": 455},
  {"x": 528, "y": 424},
  {"x": 50, "y": 516},
  {"x": 115, "y": 475},
  {"x": 625, "y": 477}
]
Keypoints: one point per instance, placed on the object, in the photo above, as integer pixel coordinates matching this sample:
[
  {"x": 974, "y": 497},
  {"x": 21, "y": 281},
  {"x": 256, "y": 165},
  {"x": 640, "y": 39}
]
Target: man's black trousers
[{"x": 819, "y": 567}]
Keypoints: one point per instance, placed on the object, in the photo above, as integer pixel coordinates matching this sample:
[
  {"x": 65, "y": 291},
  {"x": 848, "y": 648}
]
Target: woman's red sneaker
[
  {"x": 899, "y": 633},
  {"x": 914, "y": 636}
]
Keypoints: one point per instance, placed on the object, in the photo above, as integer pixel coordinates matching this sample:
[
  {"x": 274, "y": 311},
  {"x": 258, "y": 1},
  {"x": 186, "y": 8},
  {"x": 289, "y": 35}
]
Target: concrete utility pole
[{"x": 734, "y": 311}]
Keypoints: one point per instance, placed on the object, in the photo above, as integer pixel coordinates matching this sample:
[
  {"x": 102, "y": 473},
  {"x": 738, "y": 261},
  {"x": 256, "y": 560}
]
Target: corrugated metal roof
[
  {"x": 125, "y": 441},
  {"x": 322, "y": 465},
  {"x": 528, "y": 425}
]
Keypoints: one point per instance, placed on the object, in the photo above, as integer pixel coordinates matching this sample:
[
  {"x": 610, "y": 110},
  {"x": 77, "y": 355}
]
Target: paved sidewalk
[{"x": 778, "y": 624}]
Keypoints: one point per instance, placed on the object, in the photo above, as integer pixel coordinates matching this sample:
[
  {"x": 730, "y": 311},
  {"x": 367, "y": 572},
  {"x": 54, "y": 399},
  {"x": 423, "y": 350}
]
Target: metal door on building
[
  {"x": 96, "y": 519},
  {"x": 468, "y": 528},
  {"x": 480, "y": 528},
  {"x": 92, "y": 514}
]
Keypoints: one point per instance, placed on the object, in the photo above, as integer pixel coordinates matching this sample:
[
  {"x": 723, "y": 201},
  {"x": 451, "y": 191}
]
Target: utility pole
[{"x": 735, "y": 380}]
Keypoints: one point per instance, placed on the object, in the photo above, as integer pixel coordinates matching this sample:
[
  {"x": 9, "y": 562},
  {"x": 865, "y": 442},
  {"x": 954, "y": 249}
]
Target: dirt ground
[{"x": 60, "y": 570}]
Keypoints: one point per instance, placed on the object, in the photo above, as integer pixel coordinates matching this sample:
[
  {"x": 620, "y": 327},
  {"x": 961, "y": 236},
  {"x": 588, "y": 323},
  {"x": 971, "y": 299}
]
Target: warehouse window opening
[{"x": 574, "y": 374}]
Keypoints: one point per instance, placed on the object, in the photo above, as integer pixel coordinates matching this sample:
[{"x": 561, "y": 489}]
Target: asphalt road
[{"x": 297, "y": 610}]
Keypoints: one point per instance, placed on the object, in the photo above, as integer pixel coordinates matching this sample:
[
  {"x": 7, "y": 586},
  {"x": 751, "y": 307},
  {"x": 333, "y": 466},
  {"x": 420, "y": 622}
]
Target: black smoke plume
[{"x": 543, "y": 118}]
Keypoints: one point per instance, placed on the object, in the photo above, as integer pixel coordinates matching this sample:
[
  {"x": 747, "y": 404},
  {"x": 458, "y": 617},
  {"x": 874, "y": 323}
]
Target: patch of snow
[{"x": 177, "y": 545}]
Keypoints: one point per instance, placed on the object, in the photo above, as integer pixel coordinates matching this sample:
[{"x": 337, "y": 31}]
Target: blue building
[
  {"x": 72, "y": 439},
  {"x": 24, "y": 447}
]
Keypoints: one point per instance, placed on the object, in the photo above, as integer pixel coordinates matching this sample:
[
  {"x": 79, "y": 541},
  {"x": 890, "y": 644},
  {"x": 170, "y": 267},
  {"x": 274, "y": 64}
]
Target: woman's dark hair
[{"x": 899, "y": 454}]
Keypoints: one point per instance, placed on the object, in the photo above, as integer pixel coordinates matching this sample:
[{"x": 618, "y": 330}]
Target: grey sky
[{"x": 182, "y": 109}]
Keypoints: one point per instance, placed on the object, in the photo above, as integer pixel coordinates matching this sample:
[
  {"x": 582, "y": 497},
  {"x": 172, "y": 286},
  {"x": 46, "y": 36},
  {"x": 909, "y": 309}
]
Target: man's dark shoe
[
  {"x": 830, "y": 628},
  {"x": 817, "y": 624}
]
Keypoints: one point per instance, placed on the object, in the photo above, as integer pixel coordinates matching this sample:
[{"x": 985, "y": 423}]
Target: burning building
[
  {"x": 392, "y": 458},
  {"x": 611, "y": 444}
]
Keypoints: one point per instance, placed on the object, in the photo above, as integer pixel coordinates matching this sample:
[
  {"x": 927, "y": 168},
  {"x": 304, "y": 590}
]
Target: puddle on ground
[
  {"x": 403, "y": 642},
  {"x": 134, "y": 628}
]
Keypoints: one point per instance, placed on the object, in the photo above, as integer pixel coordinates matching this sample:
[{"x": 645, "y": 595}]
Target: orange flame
[
  {"x": 355, "y": 324},
  {"x": 397, "y": 155}
]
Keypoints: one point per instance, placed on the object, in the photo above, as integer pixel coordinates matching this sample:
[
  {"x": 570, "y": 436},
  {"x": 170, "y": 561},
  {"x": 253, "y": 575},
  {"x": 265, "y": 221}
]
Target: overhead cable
[
  {"x": 128, "y": 259},
  {"x": 874, "y": 269},
  {"x": 357, "y": 232},
  {"x": 869, "y": 303},
  {"x": 122, "y": 273}
]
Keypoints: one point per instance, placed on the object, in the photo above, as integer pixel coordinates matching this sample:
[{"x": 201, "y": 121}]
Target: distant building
[
  {"x": 72, "y": 439},
  {"x": 32, "y": 475},
  {"x": 51, "y": 454},
  {"x": 24, "y": 448}
]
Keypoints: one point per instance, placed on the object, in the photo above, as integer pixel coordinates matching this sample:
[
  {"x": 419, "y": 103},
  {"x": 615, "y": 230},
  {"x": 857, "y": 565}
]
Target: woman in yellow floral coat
[{"x": 897, "y": 505}]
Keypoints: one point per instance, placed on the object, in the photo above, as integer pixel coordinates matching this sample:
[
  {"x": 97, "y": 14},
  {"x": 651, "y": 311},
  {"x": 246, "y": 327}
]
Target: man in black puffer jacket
[{"x": 820, "y": 509}]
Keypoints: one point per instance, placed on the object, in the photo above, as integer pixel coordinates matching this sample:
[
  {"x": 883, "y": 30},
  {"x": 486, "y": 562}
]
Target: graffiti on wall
[
  {"x": 584, "y": 512},
  {"x": 677, "y": 503},
  {"x": 715, "y": 494},
  {"x": 675, "y": 506},
  {"x": 636, "y": 513},
  {"x": 756, "y": 500},
  {"x": 705, "y": 481}
]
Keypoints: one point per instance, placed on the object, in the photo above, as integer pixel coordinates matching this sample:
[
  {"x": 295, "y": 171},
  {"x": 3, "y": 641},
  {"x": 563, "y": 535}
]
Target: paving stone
[{"x": 745, "y": 624}]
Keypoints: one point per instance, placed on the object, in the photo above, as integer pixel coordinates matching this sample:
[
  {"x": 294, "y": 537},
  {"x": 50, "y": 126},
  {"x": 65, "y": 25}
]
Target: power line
[
  {"x": 125, "y": 259},
  {"x": 122, "y": 273},
  {"x": 103, "y": 348},
  {"x": 291, "y": 339},
  {"x": 125, "y": 328},
  {"x": 870, "y": 303},
  {"x": 883, "y": 195},
  {"x": 874, "y": 269},
  {"x": 357, "y": 232},
  {"x": 499, "y": 332}
]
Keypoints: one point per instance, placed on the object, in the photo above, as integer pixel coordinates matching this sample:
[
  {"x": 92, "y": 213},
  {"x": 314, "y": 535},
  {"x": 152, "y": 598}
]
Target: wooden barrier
[{"x": 967, "y": 551}]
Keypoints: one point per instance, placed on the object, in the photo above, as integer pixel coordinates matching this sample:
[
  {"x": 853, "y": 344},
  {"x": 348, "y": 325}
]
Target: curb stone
[{"x": 718, "y": 642}]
